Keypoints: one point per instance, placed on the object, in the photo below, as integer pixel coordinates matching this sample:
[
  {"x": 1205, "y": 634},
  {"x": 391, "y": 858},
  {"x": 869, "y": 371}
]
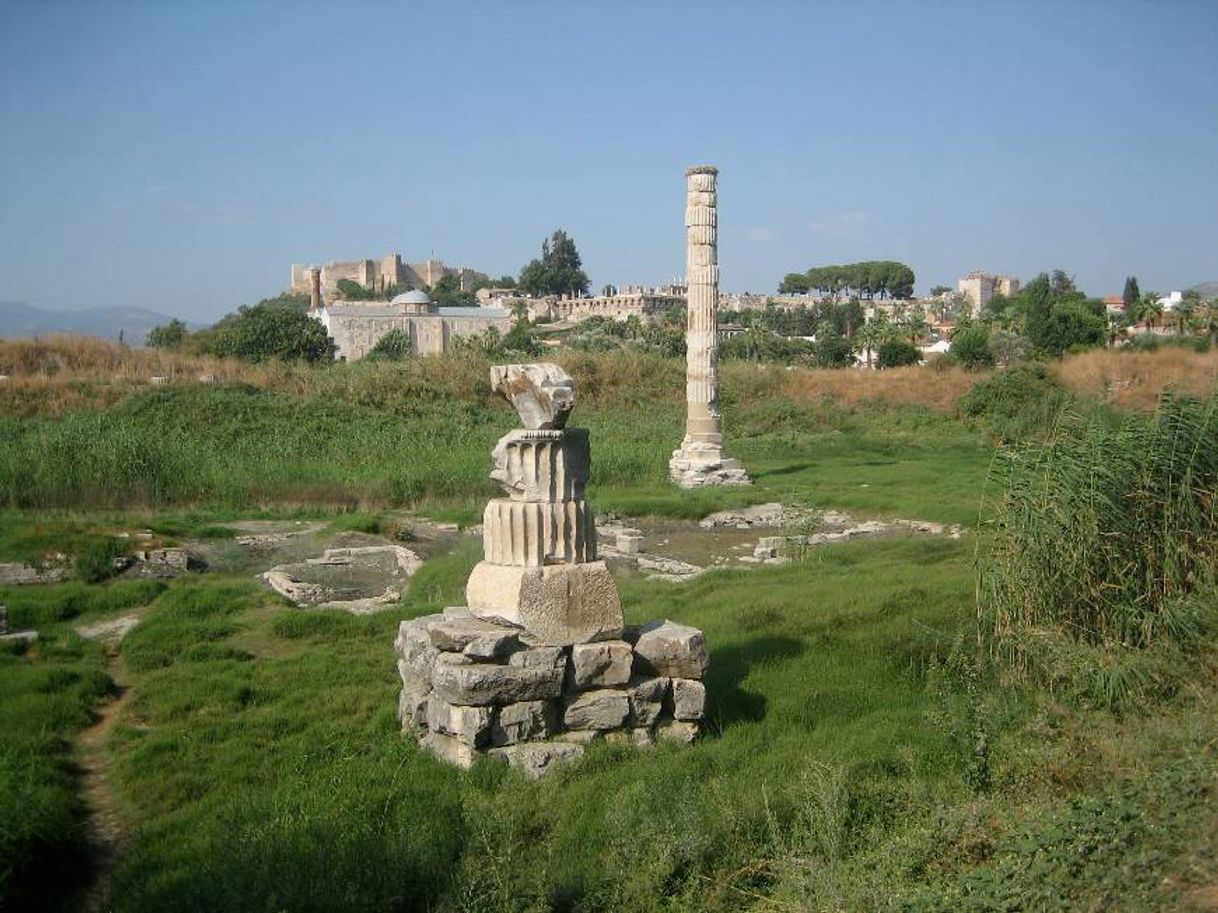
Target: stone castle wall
[{"x": 356, "y": 327}]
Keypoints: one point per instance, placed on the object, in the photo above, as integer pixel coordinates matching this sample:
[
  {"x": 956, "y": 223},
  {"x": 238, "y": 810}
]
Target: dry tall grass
[
  {"x": 1135, "y": 380},
  {"x": 61, "y": 373}
]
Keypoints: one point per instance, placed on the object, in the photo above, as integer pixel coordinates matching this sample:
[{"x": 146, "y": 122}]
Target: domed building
[{"x": 357, "y": 326}]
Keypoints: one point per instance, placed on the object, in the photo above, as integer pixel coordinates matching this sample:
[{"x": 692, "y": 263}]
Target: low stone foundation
[{"x": 476, "y": 688}]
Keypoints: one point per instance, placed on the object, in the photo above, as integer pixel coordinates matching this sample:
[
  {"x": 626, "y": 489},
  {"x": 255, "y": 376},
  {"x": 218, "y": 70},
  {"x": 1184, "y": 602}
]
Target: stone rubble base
[{"x": 475, "y": 688}]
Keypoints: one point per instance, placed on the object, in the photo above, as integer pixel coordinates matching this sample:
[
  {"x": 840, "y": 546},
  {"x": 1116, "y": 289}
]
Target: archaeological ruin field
[{"x": 973, "y": 669}]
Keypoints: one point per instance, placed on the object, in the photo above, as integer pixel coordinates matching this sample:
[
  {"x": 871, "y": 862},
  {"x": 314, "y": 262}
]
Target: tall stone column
[
  {"x": 701, "y": 459},
  {"x": 314, "y": 289}
]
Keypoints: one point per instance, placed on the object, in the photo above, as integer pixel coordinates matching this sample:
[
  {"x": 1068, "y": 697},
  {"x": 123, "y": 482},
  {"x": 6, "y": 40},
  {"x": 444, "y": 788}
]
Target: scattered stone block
[
  {"x": 670, "y": 649},
  {"x": 688, "y": 699},
  {"x": 598, "y": 665},
  {"x": 412, "y": 708},
  {"x": 603, "y": 708},
  {"x": 414, "y": 646},
  {"x": 639, "y": 736},
  {"x": 523, "y": 722}
]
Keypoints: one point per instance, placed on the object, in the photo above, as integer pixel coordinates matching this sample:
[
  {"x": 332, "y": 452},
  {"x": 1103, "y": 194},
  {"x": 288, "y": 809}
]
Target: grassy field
[{"x": 864, "y": 751}]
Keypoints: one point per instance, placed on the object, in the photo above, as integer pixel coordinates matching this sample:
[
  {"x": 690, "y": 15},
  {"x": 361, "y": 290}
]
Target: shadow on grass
[
  {"x": 790, "y": 470},
  {"x": 729, "y": 702}
]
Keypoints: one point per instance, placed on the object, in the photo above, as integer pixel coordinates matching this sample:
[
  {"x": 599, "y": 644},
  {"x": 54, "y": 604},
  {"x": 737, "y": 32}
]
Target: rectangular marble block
[{"x": 559, "y": 604}]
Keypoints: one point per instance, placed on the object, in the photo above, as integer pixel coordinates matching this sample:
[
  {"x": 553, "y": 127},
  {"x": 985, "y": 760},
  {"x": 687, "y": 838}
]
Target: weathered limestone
[
  {"x": 539, "y": 543},
  {"x": 601, "y": 664},
  {"x": 535, "y": 666},
  {"x": 532, "y": 704},
  {"x": 701, "y": 458},
  {"x": 670, "y": 649}
]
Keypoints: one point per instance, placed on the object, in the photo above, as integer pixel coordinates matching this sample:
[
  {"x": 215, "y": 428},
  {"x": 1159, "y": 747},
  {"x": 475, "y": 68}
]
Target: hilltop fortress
[{"x": 378, "y": 275}]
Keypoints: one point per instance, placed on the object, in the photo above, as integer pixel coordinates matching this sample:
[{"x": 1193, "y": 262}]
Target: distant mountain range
[
  {"x": 1206, "y": 290},
  {"x": 19, "y": 320}
]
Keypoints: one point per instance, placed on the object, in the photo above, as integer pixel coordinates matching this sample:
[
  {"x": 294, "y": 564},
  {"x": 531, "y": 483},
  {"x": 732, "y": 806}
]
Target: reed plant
[{"x": 1106, "y": 537}]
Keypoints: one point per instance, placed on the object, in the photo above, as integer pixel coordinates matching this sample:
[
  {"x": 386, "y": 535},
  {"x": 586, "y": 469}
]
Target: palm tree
[{"x": 871, "y": 334}]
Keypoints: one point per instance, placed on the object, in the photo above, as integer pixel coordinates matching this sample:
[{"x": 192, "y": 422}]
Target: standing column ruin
[
  {"x": 314, "y": 289},
  {"x": 701, "y": 459}
]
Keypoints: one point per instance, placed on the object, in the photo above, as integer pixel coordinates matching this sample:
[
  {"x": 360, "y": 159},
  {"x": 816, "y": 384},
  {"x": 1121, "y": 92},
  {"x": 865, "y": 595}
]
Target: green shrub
[
  {"x": 395, "y": 345},
  {"x": 895, "y": 353},
  {"x": 971, "y": 344},
  {"x": 96, "y": 561},
  {"x": 1016, "y": 402}
]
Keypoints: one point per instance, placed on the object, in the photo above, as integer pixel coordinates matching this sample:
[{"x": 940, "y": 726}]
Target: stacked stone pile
[
  {"x": 539, "y": 662},
  {"x": 471, "y": 687}
]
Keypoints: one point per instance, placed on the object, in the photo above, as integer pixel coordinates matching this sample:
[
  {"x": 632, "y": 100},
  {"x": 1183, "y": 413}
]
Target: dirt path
[{"x": 105, "y": 830}]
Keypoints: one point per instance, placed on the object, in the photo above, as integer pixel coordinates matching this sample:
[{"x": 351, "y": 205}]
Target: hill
[
  {"x": 19, "y": 320},
  {"x": 1206, "y": 289}
]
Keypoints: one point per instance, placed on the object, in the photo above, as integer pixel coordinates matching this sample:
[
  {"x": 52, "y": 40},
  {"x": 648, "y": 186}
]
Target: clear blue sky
[{"x": 181, "y": 155}]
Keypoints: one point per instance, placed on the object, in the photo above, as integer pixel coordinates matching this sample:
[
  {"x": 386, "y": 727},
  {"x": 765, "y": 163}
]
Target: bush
[
  {"x": 95, "y": 561},
  {"x": 895, "y": 353},
  {"x": 1016, "y": 402},
  {"x": 833, "y": 352},
  {"x": 971, "y": 344},
  {"x": 1107, "y": 538},
  {"x": 265, "y": 331},
  {"x": 395, "y": 345}
]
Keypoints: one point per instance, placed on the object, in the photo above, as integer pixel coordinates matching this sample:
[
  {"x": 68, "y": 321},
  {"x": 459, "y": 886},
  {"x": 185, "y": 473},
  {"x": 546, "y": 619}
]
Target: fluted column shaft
[{"x": 702, "y": 310}]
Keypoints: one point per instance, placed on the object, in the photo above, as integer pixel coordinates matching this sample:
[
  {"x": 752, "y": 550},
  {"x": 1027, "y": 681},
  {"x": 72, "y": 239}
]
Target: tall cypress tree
[{"x": 1131, "y": 295}]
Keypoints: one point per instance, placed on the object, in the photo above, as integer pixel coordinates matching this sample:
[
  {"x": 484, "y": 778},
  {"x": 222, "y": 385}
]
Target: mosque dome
[{"x": 413, "y": 302}]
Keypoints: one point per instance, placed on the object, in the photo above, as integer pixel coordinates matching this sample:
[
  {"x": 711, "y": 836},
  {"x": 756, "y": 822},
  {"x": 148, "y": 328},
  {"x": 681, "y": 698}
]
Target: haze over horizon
[{"x": 181, "y": 157}]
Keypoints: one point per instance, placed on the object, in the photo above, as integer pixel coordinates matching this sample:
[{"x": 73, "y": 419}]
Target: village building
[
  {"x": 980, "y": 287},
  {"x": 357, "y": 326}
]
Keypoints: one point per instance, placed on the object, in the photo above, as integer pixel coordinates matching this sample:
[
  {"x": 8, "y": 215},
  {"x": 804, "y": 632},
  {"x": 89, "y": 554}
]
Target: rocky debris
[
  {"x": 360, "y": 580},
  {"x": 765, "y": 515},
  {"x": 529, "y": 693},
  {"x": 542, "y": 393},
  {"x": 264, "y": 535},
  {"x": 111, "y": 631},
  {"x": 154, "y": 562},
  {"x": 769, "y": 547},
  {"x": 670, "y": 569},
  {"x": 670, "y": 649},
  {"x": 20, "y": 574}
]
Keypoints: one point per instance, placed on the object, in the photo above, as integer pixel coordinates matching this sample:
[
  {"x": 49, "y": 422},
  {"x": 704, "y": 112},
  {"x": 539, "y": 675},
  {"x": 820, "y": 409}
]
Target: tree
[
  {"x": 872, "y": 334},
  {"x": 971, "y": 344},
  {"x": 264, "y": 331},
  {"x": 446, "y": 292},
  {"x": 559, "y": 270},
  {"x": 1131, "y": 295},
  {"x": 350, "y": 290},
  {"x": 937, "y": 290},
  {"x": 833, "y": 351},
  {"x": 794, "y": 284},
  {"x": 167, "y": 336},
  {"x": 893, "y": 353}
]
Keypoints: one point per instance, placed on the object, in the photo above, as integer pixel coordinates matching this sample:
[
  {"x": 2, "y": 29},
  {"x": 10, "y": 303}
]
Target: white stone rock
[
  {"x": 534, "y": 759},
  {"x": 460, "y": 681},
  {"x": 598, "y": 665},
  {"x": 469, "y": 725},
  {"x": 688, "y": 699},
  {"x": 603, "y": 708},
  {"x": 677, "y": 731},
  {"x": 412, "y": 707},
  {"x": 672, "y": 650},
  {"x": 449, "y": 749},
  {"x": 562, "y": 604},
  {"x": 455, "y": 635},
  {"x": 646, "y": 696},
  {"x": 523, "y": 722},
  {"x": 542, "y": 393},
  {"x": 414, "y": 646}
]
